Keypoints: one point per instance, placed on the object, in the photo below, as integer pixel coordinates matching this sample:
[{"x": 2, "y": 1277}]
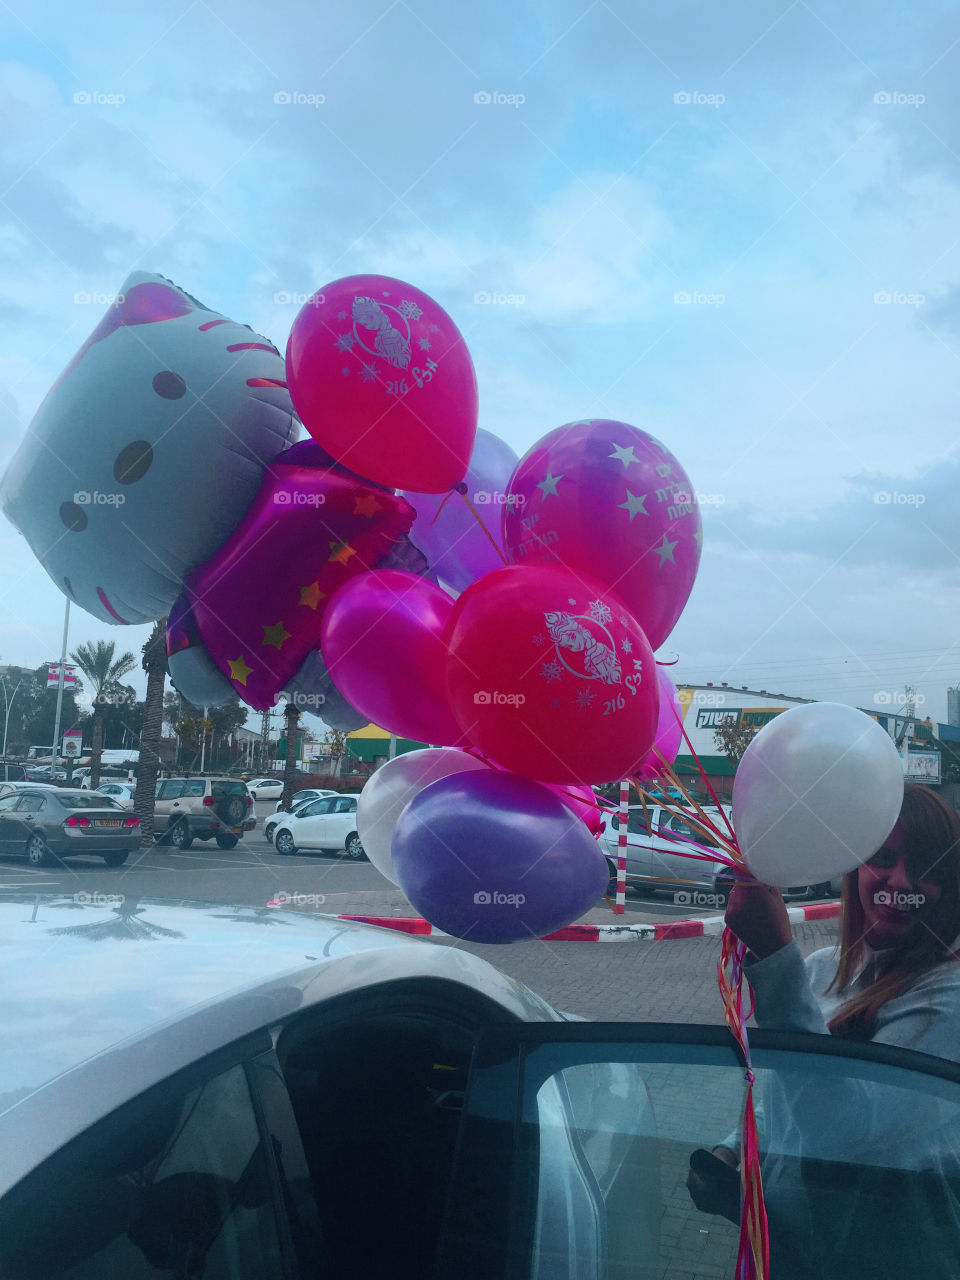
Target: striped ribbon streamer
[
  {"x": 619, "y": 907},
  {"x": 753, "y": 1255}
]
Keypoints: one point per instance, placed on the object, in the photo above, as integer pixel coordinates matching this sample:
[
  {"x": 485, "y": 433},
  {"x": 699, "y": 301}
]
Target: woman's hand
[
  {"x": 756, "y": 914},
  {"x": 713, "y": 1195}
]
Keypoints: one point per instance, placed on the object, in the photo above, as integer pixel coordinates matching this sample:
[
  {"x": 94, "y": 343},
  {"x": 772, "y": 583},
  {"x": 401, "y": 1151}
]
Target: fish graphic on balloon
[{"x": 160, "y": 477}]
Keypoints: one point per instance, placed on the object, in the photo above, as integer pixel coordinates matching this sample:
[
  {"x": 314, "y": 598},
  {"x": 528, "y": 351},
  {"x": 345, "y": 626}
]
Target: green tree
[
  {"x": 103, "y": 670},
  {"x": 292, "y": 716},
  {"x": 733, "y": 738},
  {"x": 37, "y": 711}
]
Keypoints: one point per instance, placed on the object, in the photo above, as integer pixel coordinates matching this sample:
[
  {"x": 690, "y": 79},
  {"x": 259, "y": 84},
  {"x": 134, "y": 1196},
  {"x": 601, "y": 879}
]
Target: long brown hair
[{"x": 932, "y": 830}]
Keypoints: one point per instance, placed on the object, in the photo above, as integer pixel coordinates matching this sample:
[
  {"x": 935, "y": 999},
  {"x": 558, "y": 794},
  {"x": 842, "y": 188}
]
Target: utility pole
[
  {"x": 203, "y": 739},
  {"x": 56, "y": 723}
]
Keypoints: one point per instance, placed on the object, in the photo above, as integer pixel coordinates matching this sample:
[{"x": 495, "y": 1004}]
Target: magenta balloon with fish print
[
  {"x": 381, "y": 378},
  {"x": 669, "y": 729},
  {"x": 609, "y": 500},
  {"x": 550, "y": 676}
]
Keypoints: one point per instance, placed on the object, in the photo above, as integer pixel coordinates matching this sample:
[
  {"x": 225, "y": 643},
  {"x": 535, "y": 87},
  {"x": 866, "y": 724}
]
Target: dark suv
[{"x": 189, "y": 809}]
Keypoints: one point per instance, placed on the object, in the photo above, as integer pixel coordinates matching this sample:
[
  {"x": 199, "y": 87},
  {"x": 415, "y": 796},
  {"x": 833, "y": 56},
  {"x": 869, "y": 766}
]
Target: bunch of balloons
[{"x": 400, "y": 567}]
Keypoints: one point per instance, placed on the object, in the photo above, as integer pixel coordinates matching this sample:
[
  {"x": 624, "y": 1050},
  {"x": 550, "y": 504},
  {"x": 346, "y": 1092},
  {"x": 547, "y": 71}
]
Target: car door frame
[
  {"x": 491, "y": 1190},
  {"x": 168, "y": 808}
]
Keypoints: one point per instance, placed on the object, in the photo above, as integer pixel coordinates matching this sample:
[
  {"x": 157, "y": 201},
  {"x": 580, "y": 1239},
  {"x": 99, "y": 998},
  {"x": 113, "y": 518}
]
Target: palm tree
[
  {"x": 103, "y": 671},
  {"x": 124, "y": 925},
  {"x": 290, "y": 764},
  {"x": 154, "y": 663}
]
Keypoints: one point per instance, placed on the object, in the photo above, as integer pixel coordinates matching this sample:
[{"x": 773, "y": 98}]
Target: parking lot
[{"x": 671, "y": 981}]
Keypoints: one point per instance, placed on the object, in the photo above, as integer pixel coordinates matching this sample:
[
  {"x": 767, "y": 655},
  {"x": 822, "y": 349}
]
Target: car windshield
[
  {"x": 86, "y": 800},
  {"x": 225, "y": 787}
]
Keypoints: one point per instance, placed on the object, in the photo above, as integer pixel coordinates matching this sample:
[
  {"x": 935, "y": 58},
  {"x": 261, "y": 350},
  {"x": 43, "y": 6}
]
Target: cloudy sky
[{"x": 793, "y": 168}]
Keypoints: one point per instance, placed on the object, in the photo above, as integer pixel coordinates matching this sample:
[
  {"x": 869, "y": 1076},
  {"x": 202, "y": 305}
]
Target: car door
[
  {"x": 576, "y": 1143},
  {"x": 341, "y": 821},
  {"x": 26, "y": 820},
  {"x": 309, "y": 825},
  {"x": 638, "y": 840},
  {"x": 181, "y": 1182},
  {"x": 670, "y": 865},
  {"x": 168, "y": 801},
  {"x": 7, "y": 824}
]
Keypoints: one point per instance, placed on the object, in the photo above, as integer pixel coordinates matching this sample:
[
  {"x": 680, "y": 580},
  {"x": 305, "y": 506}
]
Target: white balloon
[
  {"x": 817, "y": 792},
  {"x": 390, "y": 790}
]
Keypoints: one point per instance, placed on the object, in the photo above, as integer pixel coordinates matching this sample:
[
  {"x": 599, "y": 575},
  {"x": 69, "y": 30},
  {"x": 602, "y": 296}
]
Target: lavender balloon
[
  {"x": 669, "y": 729},
  {"x": 494, "y": 857},
  {"x": 458, "y": 549}
]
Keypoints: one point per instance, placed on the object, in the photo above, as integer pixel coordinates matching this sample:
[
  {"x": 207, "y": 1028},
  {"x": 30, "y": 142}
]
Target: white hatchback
[{"x": 329, "y": 823}]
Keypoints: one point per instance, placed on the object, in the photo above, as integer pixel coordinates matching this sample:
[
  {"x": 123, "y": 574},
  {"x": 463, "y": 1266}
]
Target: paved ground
[{"x": 671, "y": 981}]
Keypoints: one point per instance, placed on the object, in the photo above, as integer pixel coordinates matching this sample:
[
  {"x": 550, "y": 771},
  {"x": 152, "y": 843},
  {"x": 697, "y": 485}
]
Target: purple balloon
[
  {"x": 494, "y": 857},
  {"x": 458, "y": 549},
  {"x": 669, "y": 728}
]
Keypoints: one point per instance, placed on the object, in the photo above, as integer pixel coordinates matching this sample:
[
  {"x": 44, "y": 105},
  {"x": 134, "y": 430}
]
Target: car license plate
[{"x": 109, "y": 822}]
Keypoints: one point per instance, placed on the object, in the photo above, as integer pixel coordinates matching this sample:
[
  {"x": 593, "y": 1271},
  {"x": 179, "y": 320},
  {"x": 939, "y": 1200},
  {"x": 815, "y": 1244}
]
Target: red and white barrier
[{"x": 657, "y": 932}]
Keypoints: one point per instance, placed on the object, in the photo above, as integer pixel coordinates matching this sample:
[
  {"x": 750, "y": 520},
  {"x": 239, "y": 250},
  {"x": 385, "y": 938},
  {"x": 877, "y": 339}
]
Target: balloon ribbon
[{"x": 753, "y": 1254}]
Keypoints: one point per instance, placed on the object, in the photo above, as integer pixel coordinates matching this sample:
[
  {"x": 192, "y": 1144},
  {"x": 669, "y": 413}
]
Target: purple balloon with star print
[{"x": 604, "y": 498}]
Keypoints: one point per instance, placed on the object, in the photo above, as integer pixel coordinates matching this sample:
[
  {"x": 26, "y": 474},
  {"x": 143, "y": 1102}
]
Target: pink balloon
[
  {"x": 609, "y": 501},
  {"x": 669, "y": 728},
  {"x": 381, "y": 378},
  {"x": 381, "y": 641}
]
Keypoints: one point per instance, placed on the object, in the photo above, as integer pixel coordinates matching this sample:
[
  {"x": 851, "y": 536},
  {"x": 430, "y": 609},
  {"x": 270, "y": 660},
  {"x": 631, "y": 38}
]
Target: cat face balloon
[{"x": 148, "y": 450}]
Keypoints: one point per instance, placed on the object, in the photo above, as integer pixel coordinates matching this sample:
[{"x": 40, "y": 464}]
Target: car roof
[{"x": 107, "y": 997}]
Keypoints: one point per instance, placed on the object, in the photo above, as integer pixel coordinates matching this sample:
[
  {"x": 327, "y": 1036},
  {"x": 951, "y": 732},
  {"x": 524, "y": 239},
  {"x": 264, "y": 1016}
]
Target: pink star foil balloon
[
  {"x": 258, "y": 604},
  {"x": 608, "y": 500}
]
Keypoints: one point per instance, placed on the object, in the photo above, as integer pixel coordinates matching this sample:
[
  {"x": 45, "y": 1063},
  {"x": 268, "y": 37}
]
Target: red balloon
[
  {"x": 381, "y": 639},
  {"x": 381, "y": 378},
  {"x": 549, "y": 675}
]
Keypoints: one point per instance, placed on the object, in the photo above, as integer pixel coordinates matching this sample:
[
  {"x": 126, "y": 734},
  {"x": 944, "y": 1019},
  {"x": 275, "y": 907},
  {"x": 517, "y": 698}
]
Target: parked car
[
  {"x": 45, "y": 824},
  {"x": 329, "y": 824},
  {"x": 192, "y": 1132},
  {"x": 188, "y": 809},
  {"x": 299, "y": 800},
  {"x": 121, "y": 792},
  {"x": 7, "y": 787},
  {"x": 265, "y": 788},
  {"x": 656, "y": 840},
  {"x": 43, "y": 773},
  {"x": 309, "y": 793}
]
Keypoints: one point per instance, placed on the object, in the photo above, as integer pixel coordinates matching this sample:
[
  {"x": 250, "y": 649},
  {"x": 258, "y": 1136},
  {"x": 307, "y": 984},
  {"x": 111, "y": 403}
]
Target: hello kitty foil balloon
[{"x": 155, "y": 480}]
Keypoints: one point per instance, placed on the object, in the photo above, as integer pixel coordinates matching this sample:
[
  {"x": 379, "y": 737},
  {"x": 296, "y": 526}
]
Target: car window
[
  {"x": 587, "y": 1174},
  {"x": 345, "y": 805},
  {"x": 681, "y": 827},
  {"x": 172, "y": 789},
  {"x": 194, "y": 787},
  {"x": 637, "y": 824},
  {"x": 177, "y": 1189},
  {"x": 30, "y": 804},
  {"x": 86, "y": 800},
  {"x": 9, "y": 800},
  {"x": 324, "y": 805},
  {"x": 227, "y": 787}
]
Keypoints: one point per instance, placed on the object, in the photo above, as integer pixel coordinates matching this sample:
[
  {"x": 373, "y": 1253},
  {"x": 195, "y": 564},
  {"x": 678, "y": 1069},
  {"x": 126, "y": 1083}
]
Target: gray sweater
[{"x": 830, "y": 1133}]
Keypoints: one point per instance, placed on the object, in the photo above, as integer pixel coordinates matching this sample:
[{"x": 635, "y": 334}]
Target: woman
[{"x": 894, "y": 979}]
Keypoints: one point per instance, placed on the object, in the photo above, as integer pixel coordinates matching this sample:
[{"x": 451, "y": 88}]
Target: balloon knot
[{"x": 460, "y": 488}]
